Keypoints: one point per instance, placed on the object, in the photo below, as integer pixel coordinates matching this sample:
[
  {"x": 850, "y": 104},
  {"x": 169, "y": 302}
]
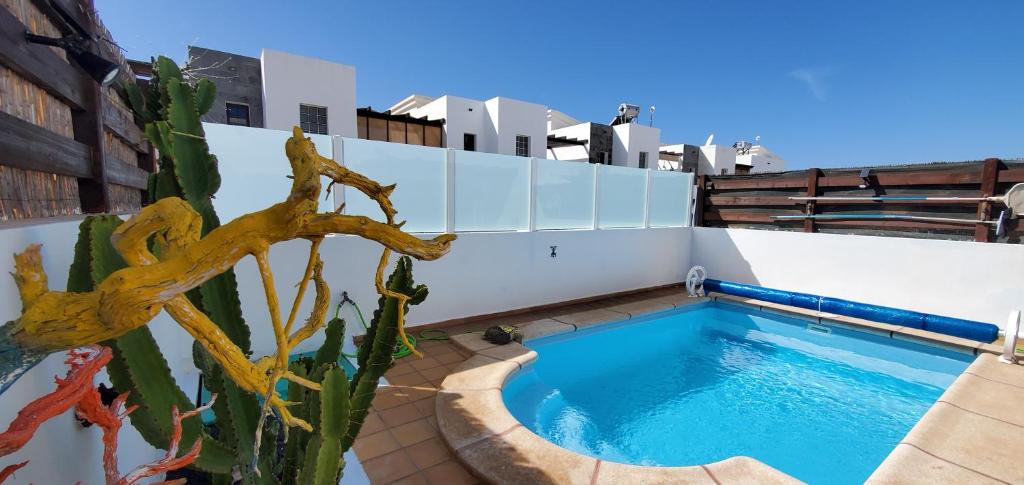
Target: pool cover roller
[{"x": 969, "y": 329}]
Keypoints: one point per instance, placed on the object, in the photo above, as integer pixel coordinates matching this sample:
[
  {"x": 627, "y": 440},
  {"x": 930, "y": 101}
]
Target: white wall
[
  {"x": 512, "y": 117},
  {"x": 715, "y": 158},
  {"x": 461, "y": 115},
  {"x": 976, "y": 281},
  {"x": 290, "y": 80},
  {"x": 629, "y": 139}
]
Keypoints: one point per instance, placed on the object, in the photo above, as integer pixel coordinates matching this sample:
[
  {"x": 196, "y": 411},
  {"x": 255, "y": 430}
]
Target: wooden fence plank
[
  {"x": 31, "y": 147},
  {"x": 698, "y": 210},
  {"x": 124, "y": 127},
  {"x": 989, "y": 179},
  {"x": 123, "y": 173},
  {"x": 812, "y": 191},
  {"x": 39, "y": 64}
]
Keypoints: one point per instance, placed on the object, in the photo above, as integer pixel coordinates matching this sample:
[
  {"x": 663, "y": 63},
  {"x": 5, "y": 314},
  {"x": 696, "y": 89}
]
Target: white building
[
  {"x": 318, "y": 95},
  {"x": 627, "y": 144},
  {"x": 759, "y": 159},
  {"x": 498, "y": 125}
]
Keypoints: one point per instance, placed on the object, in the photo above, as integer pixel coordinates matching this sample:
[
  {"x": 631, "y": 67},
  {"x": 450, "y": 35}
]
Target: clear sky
[{"x": 824, "y": 83}]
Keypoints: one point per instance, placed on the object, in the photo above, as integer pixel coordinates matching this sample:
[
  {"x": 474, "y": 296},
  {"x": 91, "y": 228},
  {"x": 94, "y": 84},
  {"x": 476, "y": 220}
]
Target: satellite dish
[{"x": 710, "y": 139}]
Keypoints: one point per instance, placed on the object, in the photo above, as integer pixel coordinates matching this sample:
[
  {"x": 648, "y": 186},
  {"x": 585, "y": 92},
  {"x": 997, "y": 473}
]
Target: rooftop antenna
[
  {"x": 651, "y": 123},
  {"x": 710, "y": 139}
]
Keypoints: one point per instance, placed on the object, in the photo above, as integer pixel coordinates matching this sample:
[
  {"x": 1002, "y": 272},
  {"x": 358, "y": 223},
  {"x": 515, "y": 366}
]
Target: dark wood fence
[
  {"x": 750, "y": 201},
  {"x": 68, "y": 145}
]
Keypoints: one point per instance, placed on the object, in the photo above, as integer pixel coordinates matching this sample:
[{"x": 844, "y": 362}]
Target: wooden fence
[
  {"x": 68, "y": 145},
  {"x": 751, "y": 201}
]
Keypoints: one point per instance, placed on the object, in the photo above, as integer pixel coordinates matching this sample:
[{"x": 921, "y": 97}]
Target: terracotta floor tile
[
  {"x": 414, "y": 479},
  {"x": 448, "y": 473},
  {"x": 400, "y": 415},
  {"x": 371, "y": 446},
  {"x": 414, "y": 432},
  {"x": 436, "y": 382},
  {"x": 426, "y": 454},
  {"x": 424, "y": 363},
  {"x": 420, "y": 392},
  {"x": 435, "y": 372},
  {"x": 389, "y": 468},
  {"x": 426, "y": 407},
  {"x": 432, "y": 344},
  {"x": 372, "y": 424},
  {"x": 401, "y": 367},
  {"x": 388, "y": 397},
  {"x": 409, "y": 379},
  {"x": 450, "y": 358}
]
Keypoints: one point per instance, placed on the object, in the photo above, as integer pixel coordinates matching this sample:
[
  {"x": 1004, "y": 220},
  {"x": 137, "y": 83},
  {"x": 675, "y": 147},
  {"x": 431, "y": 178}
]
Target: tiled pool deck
[{"x": 971, "y": 435}]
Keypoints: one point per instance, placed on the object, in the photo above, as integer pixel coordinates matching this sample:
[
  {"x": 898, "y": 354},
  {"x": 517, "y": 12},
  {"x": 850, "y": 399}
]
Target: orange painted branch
[{"x": 84, "y": 366}]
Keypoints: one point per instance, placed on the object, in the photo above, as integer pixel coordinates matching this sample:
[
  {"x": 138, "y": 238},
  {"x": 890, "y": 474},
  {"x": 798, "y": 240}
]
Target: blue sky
[{"x": 824, "y": 83}]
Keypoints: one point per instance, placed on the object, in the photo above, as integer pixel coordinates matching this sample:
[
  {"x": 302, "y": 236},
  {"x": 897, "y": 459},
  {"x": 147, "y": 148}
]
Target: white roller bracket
[
  {"x": 695, "y": 281},
  {"x": 1010, "y": 339}
]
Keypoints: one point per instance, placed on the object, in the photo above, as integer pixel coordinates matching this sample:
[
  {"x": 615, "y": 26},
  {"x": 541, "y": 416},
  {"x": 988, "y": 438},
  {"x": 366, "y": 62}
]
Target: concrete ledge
[
  {"x": 494, "y": 446},
  {"x": 973, "y": 434}
]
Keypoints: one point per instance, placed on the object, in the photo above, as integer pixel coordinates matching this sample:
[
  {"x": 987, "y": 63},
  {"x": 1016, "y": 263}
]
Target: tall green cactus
[
  {"x": 171, "y": 110},
  {"x": 327, "y": 412}
]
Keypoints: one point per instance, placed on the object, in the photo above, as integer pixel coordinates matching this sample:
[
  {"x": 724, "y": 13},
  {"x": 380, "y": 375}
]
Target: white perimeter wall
[
  {"x": 290, "y": 80},
  {"x": 976, "y": 281}
]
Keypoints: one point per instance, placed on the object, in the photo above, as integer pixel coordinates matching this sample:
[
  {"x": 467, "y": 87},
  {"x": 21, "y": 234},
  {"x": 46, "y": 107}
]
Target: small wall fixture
[
  {"x": 865, "y": 178},
  {"x": 554, "y": 251},
  {"x": 102, "y": 70}
]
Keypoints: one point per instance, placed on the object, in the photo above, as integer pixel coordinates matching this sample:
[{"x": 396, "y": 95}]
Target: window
[
  {"x": 313, "y": 119},
  {"x": 522, "y": 146},
  {"x": 602, "y": 158},
  {"x": 725, "y": 171},
  {"x": 469, "y": 142},
  {"x": 643, "y": 159},
  {"x": 237, "y": 113}
]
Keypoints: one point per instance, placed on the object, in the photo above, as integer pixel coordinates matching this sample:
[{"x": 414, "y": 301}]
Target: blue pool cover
[{"x": 957, "y": 327}]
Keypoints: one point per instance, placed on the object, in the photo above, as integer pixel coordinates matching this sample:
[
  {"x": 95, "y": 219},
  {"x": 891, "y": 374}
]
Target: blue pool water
[{"x": 712, "y": 381}]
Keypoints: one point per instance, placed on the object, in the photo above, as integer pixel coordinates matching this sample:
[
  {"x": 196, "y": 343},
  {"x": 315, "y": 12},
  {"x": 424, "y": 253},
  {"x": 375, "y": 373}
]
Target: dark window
[
  {"x": 522, "y": 146},
  {"x": 643, "y": 159},
  {"x": 313, "y": 119},
  {"x": 469, "y": 142},
  {"x": 238, "y": 114},
  {"x": 602, "y": 158}
]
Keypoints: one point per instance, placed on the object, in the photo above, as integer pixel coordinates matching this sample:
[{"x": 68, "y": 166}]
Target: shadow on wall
[{"x": 715, "y": 250}]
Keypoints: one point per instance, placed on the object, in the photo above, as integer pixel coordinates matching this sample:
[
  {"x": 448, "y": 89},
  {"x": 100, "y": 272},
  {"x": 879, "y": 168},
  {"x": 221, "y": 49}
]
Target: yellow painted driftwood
[{"x": 132, "y": 296}]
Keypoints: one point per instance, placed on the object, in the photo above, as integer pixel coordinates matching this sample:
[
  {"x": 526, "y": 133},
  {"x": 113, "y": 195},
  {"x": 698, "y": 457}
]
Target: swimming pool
[{"x": 696, "y": 385}]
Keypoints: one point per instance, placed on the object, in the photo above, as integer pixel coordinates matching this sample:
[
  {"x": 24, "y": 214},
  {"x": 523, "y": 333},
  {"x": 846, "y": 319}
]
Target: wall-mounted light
[{"x": 102, "y": 70}]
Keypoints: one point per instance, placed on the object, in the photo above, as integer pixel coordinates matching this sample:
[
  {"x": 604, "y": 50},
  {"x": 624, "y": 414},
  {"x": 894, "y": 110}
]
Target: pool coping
[{"x": 481, "y": 432}]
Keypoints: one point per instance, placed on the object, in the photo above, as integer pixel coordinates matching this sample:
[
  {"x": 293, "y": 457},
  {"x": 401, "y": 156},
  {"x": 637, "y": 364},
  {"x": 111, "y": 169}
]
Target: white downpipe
[{"x": 1010, "y": 339}]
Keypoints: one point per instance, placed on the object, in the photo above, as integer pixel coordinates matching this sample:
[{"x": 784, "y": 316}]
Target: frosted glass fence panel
[
  {"x": 622, "y": 196},
  {"x": 669, "y": 203},
  {"x": 419, "y": 172},
  {"x": 492, "y": 192},
  {"x": 254, "y": 169},
  {"x": 564, "y": 195}
]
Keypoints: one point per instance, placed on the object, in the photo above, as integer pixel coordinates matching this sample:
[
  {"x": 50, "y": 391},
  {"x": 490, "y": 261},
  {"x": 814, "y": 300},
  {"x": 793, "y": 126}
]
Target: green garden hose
[{"x": 401, "y": 350}]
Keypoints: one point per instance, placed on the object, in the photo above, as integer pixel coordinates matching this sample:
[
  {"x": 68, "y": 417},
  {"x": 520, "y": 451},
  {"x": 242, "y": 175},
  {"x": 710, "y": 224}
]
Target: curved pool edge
[{"x": 481, "y": 432}]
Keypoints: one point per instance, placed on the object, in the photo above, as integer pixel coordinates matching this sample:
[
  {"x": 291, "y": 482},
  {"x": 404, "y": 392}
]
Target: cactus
[
  {"x": 171, "y": 109},
  {"x": 325, "y": 410}
]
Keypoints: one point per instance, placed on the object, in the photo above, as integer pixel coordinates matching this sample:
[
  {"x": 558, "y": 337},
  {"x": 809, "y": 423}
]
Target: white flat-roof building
[
  {"x": 759, "y": 159},
  {"x": 498, "y": 125}
]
